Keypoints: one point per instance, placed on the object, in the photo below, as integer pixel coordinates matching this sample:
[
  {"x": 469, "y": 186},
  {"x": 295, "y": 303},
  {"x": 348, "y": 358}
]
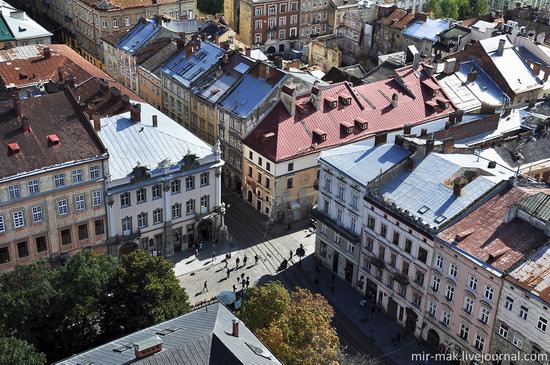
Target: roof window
[
  {"x": 361, "y": 124},
  {"x": 331, "y": 102},
  {"x": 345, "y": 98},
  {"x": 319, "y": 135},
  {"x": 346, "y": 127}
]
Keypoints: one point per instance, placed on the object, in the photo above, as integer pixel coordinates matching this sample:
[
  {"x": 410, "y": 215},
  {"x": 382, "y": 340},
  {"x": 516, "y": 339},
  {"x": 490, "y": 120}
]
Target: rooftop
[
  {"x": 427, "y": 193},
  {"x": 534, "y": 273},
  {"x": 353, "y": 74},
  {"x": 154, "y": 63},
  {"x": 398, "y": 19},
  {"x": 201, "y": 337},
  {"x": 20, "y": 24},
  {"x": 142, "y": 32},
  {"x": 428, "y": 29},
  {"x": 5, "y": 34},
  {"x": 362, "y": 161},
  {"x": 131, "y": 144},
  {"x": 417, "y": 103},
  {"x": 484, "y": 234},
  {"x": 77, "y": 140},
  {"x": 455, "y": 32},
  {"x": 482, "y": 25},
  {"x": 522, "y": 151}
]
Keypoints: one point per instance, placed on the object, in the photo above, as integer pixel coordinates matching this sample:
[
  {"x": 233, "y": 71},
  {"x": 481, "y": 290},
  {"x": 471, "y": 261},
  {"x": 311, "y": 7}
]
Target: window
[
  {"x": 472, "y": 283},
  {"x": 408, "y": 246},
  {"x": 104, "y": 22},
  {"x": 205, "y": 201},
  {"x": 175, "y": 186},
  {"x": 480, "y": 342},
  {"x": 518, "y": 340},
  {"x": 395, "y": 239},
  {"x": 82, "y": 232},
  {"x": 77, "y": 176},
  {"x": 339, "y": 215},
  {"x": 393, "y": 260},
  {"x": 267, "y": 182},
  {"x": 282, "y": 8},
  {"x": 190, "y": 206},
  {"x": 523, "y": 312},
  {"x": 369, "y": 244},
  {"x": 80, "y": 202},
  {"x": 41, "y": 244},
  {"x": 22, "y": 249},
  {"x": 271, "y": 9},
  {"x": 326, "y": 206},
  {"x": 453, "y": 270},
  {"x": 66, "y": 236},
  {"x": 2, "y": 224},
  {"x": 341, "y": 190},
  {"x": 259, "y": 177},
  {"x": 94, "y": 172},
  {"x": 383, "y": 230},
  {"x": 189, "y": 182},
  {"x": 328, "y": 183},
  {"x": 422, "y": 255},
  {"x": 99, "y": 227},
  {"x": 250, "y": 171},
  {"x": 96, "y": 198},
  {"x": 449, "y": 292},
  {"x": 439, "y": 262},
  {"x": 432, "y": 308},
  {"x": 446, "y": 319},
  {"x": 115, "y": 23},
  {"x": 59, "y": 180},
  {"x": 484, "y": 315},
  {"x": 205, "y": 177},
  {"x": 436, "y": 282},
  {"x": 354, "y": 200},
  {"x": 142, "y": 220},
  {"x": 289, "y": 183},
  {"x": 509, "y": 303},
  {"x": 14, "y": 191},
  {"x": 125, "y": 200},
  {"x": 371, "y": 222},
  {"x": 141, "y": 195},
  {"x": 157, "y": 216},
  {"x": 489, "y": 292},
  {"x": 157, "y": 191},
  {"x": 37, "y": 215},
  {"x": 468, "y": 305},
  {"x": 337, "y": 238},
  {"x": 291, "y": 166},
  {"x": 542, "y": 323},
  {"x": 62, "y": 207},
  {"x": 419, "y": 277},
  {"x": 464, "y": 331},
  {"x": 4, "y": 255},
  {"x": 176, "y": 211},
  {"x": 258, "y": 11},
  {"x": 127, "y": 21},
  {"x": 351, "y": 248},
  {"x": 323, "y": 249},
  {"x": 34, "y": 187},
  {"x": 353, "y": 223},
  {"x": 503, "y": 330}
]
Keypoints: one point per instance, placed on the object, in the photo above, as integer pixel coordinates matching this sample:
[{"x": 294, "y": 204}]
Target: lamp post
[{"x": 223, "y": 228}]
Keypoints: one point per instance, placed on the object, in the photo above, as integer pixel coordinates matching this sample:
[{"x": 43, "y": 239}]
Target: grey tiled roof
[
  {"x": 537, "y": 206},
  {"x": 203, "y": 337}
]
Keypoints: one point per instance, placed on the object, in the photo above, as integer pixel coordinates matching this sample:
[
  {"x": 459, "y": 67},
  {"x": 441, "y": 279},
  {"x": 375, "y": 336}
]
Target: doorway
[
  {"x": 410, "y": 322},
  {"x": 335, "y": 261},
  {"x": 392, "y": 309},
  {"x": 205, "y": 230},
  {"x": 349, "y": 271},
  {"x": 433, "y": 338}
]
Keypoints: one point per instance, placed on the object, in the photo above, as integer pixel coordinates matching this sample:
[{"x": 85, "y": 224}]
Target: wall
[
  {"x": 324, "y": 56},
  {"x": 150, "y": 88}
]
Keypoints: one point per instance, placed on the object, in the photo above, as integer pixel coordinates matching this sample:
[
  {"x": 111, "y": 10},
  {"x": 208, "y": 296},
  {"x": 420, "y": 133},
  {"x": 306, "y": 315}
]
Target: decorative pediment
[
  {"x": 189, "y": 161},
  {"x": 140, "y": 173}
]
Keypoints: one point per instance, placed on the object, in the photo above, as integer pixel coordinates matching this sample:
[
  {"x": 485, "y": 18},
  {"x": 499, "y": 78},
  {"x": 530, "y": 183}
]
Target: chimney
[
  {"x": 60, "y": 74},
  {"x": 457, "y": 188},
  {"x": 416, "y": 60},
  {"x": 407, "y": 129},
  {"x": 225, "y": 59},
  {"x": 17, "y": 105},
  {"x": 536, "y": 68},
  {"x": 190, "y": 48},
  {"x": 97, "y": 122},
  {"x": 546, "y": 73},
  {"x": 429, "y": 146},
  {"x": 288, "y": 97},
  {"x": 423, "y": 132},
  {"x": 448, "y": 145},
  {"x": 315, "y": 97},
  {"x": 501, "y": 44},
  {"x": 472, "y": 76},
  {"x": 410, "y": 163},
  {"x": 247, "y": 51},
  {"x": 103, "y": 85},
  {"x": 262, "y": 71},
  {"x": 135, "y": 112},
  {"x": 380, "y": 138},
  {"x": 458, "y": 116},
  {"x": 180, "y": 43},
  {"x": 71, "y": 81},
  {"x": 399, "y": 139},
  {"x": 235, "y": 332},
  {"x": 394, "y": 100},
  {"x": 203, "y": 37},
  {"x": 90, "y": 109},
  {"x": 47, "y": 53},
  {"x": 25, "y": 127},
  {"x": 217, "y": 39},
  {"x": 155, "y": 121}
]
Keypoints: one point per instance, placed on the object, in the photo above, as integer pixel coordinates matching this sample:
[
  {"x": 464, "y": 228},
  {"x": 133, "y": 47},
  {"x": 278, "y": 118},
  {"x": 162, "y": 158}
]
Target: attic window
[
  {"x": 319, "y": 135},
  {"x": 346, "y": 127},
  {"x": 361, "y": 124},
  {"x": 423, "y": 210},
  {"x": 331, "y": 102},
  {"x": 346, "y": 99},
  {"x": 53, "y": 139},
  {"x": 123, "y": 348},
  {"x": 14, "y": 148}
]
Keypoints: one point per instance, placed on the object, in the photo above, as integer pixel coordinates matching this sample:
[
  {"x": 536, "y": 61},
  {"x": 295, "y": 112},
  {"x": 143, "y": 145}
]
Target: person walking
[
  {"x": 255, "y": 259},
  {"x": 213, "y": 256},
  {"x": 200, "y": 246},
  {"x": 244, "y": 260},
  {"x": 242, "y": 276},
  {"x": 228, "y": 272},
  {"x": 205, "y": 288},
  {"x": 247, "y": 282},
  {"x": 234, "y": 288},
  {"x": 196, "y": 252},
  {"x": 225, "y": 262},
  {"x": 291, "y": 254},
  {"x": 237, "y": 260}
]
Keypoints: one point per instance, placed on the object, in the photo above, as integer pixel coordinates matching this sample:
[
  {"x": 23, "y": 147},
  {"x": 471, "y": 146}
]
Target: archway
[
  {"x": 204, "y": 230},
  {"x": 410, "y": 321},
  {"x": 433, "y": 338},
  {"x": 271, "y": 50},
  {"x": 127, "y": 248}
]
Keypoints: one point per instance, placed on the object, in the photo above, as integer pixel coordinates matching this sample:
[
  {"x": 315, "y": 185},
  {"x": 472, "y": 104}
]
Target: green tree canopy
[
  {"x": 143, "y": 291},
  {"x": 265, "y": 304},
  {"x": 210, "y": 6},
  {"x": 457, "y": 9},
  {"x": 14, "y": 351}
]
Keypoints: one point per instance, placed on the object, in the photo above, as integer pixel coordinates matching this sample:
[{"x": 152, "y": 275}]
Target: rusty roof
[
  {"x": 45, "y": 115},
  {"x": 106, "y": 101},
  {"x": 534, "y": 274},
  {"x": 484, "y": 234},
  {"x": 370, "y": 102},
  {"x": 398, "y": 19}
]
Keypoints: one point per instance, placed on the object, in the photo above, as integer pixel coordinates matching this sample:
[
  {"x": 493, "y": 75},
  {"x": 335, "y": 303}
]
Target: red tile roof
[
  {"x": 370, "y": 103},
  {"x": 398, "y": 19},
  {"x": 483, "y": 232}
]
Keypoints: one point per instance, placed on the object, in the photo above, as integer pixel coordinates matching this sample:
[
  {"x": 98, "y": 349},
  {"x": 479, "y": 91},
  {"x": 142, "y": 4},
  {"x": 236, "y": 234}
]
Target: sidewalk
[{"x": 380, "y": 329}]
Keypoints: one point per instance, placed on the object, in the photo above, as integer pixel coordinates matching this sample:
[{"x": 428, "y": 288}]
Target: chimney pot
[
  {"x": 536, "y": 68},
  {"x": 235, "y": 332},
  {"x": 155, "y": 121},
  {"x": 448, "y": 145},
  {"x": 47, "y": 53},
  {"x": 380, "y": 138},
  {"x": 97, "y": 122},
  {"x": 135, "y": 112},
  {"x": 247, "y": 51},
  {"x": 457, "y": 189},
  {"x": 394, "y": 100},
  {"x": 423, "y": 132},
  {"x": 500, "y": 49},
  {"x": 429, "y": 146},
  {"x": 407, "y": 129}
]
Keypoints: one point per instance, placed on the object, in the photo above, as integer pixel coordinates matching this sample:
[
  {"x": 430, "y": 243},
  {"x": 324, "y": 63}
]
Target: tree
[
  {"x": 143, "y": 291},
  {"x": 14, "y": 351},
  {"x": 457, "y": 9},
  {"x": 82, "y": 282},
  {"x": 210, "y": 6},
  {"x": 296, "y": 328},
  {"x": 265, "y": 304},
  {"x": 357, "y": 359}
]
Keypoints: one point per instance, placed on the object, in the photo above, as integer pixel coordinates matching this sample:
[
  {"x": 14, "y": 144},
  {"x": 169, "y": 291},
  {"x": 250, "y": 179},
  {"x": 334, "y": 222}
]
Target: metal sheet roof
[
  {"x": 5, "y": 34},
  {"x": 537, "y": 206},
  {"x": 21, "y": 25},
  {"x": 426, "y": 30},
  {"x": 138, "y": 36}
]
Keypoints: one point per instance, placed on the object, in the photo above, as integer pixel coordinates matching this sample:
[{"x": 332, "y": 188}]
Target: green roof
[
  {"x": 538, "y": 206},
  {"x": 454, "y": 32},
  {"x": 5, "y": 34}
]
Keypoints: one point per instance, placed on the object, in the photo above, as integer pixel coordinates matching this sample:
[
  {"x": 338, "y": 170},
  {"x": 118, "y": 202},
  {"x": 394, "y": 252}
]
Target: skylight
[
  {"x": 423, "y": 210},
  {"x": 260, "y": 352}
]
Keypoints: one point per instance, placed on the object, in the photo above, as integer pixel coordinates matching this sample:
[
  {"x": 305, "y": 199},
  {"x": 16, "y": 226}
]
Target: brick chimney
[
  {"x": 60, "y": 74},
  {"x": 235, "y": 331},
  {"x": 380, "y": 138},
  {"x": 135, "y": 112},
  {"x": 430, "y": 143},
  {"x": 155, "y": 121},
  {"x": 457, "y": 188},
  {"x": 262, "y": 70},
  {"x": 448, "y": 145},
  {"x": 97, "y": 122},
  {"x": 536, "y": 68},
  {"x": 25, "y": 127},
  {"x": 423, "y": 132},
  {"x": 394, "y": 100},
  {"x": 407, "y": 129},
  {"x": 472, "y": 76},
  {"x": 288, "y": 97},
  {"x": 247, "y": 51},
  {"x": 47, "y": 53}
]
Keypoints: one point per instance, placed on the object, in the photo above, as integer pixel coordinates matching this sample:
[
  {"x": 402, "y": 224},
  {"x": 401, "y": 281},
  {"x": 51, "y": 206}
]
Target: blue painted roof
[
  {"x": 426, "y": 30},
  {"x": 362, "y": 161},
  {"x": 185, "y": 71},
  {"x": 484, "y": 87},
  {"x": 138, "y": 36}
]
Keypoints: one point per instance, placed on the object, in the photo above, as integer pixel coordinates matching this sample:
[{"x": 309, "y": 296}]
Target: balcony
[
  {"x": 376, "y": 261},
  {"x": 342, "y": 231},
  {"x": 401, "y": 278}
]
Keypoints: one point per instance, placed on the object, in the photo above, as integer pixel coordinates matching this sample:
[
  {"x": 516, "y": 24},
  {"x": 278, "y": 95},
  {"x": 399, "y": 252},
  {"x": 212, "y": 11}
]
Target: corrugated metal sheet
[
  {"x": 537, "y": 205},
  {"x": 138, "y": 36}
]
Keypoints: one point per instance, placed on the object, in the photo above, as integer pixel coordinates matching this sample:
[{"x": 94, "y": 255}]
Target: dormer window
[
  {"x": 346, "y": 127},
  {"x": 331, "y": 102},
  {"x": 346, "y": 99},
  {"x": 319, "y": 135},
  {"x": 361, "y": 124}
]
